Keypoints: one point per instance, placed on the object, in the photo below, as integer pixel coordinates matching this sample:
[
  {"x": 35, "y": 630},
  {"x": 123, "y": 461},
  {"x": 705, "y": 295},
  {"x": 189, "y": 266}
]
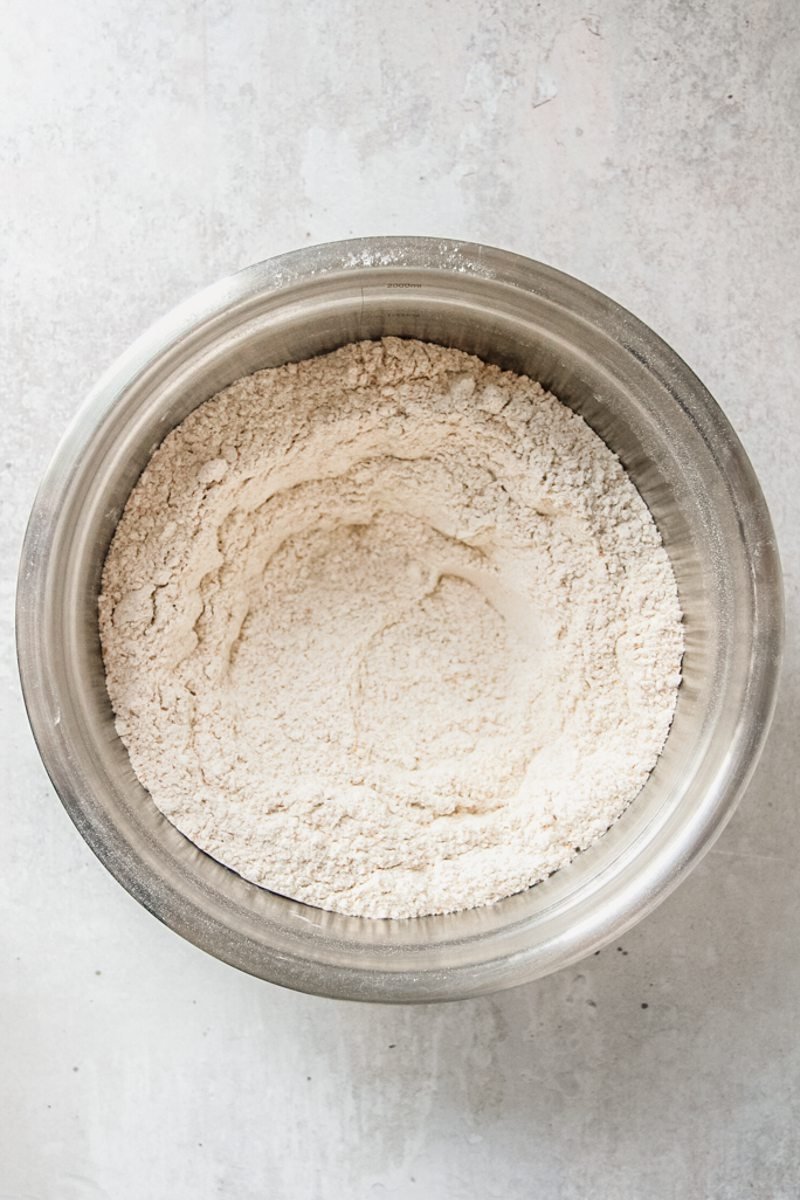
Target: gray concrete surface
[{"x": 649, "y": 147}]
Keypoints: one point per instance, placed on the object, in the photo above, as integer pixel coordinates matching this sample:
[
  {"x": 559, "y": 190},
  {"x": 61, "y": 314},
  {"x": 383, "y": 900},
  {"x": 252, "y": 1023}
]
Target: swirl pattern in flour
[{"x": 389, "y": 631}]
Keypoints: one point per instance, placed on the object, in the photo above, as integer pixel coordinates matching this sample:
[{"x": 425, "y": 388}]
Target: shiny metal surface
[{"x": 639, "y": 396}]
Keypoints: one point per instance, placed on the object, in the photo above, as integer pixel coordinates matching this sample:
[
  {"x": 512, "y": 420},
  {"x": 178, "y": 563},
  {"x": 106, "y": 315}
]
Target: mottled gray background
[{"x": 648, "y": 147}]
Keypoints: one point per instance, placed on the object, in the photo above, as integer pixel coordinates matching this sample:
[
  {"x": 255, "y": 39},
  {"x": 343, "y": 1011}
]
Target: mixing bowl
[{"x": 642, "y": 400}]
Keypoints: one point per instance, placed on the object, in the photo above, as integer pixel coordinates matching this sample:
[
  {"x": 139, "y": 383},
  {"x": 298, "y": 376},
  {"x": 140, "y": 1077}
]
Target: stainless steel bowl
[{"x": 639, "y": 396}]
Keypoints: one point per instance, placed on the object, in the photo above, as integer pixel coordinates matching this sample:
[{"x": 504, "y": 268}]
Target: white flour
[{"x": 389, "y": 631}]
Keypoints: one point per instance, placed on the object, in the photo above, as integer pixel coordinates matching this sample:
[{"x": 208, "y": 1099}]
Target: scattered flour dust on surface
[{"x": 389, "y": 631}]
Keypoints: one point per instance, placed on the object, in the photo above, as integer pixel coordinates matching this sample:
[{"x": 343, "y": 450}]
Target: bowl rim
[{"x": 667, "y": 863}]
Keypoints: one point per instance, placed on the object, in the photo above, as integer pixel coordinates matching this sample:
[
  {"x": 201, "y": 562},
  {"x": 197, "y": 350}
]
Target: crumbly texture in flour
[{"x": 389, "y": 631}]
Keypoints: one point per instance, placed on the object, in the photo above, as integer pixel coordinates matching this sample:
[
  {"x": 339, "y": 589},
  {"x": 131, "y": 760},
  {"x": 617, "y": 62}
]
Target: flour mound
[{"x": 389, "y": 631}]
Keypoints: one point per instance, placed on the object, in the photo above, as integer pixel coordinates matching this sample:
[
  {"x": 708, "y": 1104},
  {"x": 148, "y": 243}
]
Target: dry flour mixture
[{"x": 389, "y": 631}]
